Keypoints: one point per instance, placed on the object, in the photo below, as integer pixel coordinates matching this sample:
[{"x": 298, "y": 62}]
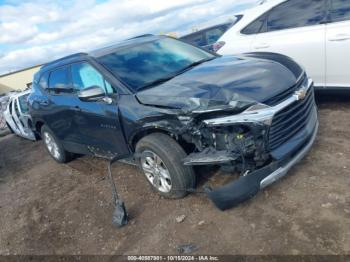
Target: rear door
[
  {"x": 338, "y": 44},
  {"x": 296, "y": 28},
  {"x": 60, "y": 108}
]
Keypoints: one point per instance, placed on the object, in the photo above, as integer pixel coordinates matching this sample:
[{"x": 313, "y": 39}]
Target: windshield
[{"x": 140, "y": 66}]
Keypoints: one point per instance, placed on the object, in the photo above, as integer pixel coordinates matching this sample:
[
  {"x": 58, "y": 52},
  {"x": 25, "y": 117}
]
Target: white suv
[{"x": 315, "y": 33}]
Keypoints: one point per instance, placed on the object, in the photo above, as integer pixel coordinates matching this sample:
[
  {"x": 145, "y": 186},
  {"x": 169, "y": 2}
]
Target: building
[
  {"x": 4, "y": 89},
  {"x": 18, "y": 80}
]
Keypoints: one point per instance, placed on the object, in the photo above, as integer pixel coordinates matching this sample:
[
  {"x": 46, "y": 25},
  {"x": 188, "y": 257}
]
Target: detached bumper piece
[{"x": 245, "y": 187}]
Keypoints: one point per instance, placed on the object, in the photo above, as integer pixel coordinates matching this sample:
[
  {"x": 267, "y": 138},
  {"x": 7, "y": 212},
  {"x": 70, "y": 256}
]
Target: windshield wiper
[
  {"x": 190, "y": 66},
  {"x": 158, "y": 82},
  {"x": 198, "y": 62},
  {"x": 164, "y": 79}
]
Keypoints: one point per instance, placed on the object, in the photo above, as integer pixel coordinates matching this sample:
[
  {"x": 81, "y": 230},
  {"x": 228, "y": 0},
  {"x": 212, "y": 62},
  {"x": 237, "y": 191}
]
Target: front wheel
[
  {"x": 54, "y": 146},
  {"x": 161, "y": 162}
]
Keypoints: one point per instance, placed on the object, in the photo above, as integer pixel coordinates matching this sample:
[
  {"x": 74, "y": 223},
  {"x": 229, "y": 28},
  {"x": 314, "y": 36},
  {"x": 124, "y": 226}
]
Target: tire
[
  {"x": 178, "y": 179},
  {"x": 55, "y": 148}
]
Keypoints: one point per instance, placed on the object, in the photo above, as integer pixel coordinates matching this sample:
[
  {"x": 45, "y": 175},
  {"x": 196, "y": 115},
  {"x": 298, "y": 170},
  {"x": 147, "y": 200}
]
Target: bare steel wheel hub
[
  {"x": 156, "y": 171},
  {"x": 51, "y": 145}
]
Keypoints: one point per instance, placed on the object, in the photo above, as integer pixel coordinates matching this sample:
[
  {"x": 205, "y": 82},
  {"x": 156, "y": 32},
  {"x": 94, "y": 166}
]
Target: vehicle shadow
[{"x": 326, "y": 97}]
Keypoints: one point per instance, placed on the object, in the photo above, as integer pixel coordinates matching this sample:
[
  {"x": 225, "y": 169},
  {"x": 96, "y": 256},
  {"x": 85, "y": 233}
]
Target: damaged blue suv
[{"x": 171, "y": 106}]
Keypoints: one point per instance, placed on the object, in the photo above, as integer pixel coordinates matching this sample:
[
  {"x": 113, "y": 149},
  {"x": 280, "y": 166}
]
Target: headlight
[{"x": 258, "y": 113}]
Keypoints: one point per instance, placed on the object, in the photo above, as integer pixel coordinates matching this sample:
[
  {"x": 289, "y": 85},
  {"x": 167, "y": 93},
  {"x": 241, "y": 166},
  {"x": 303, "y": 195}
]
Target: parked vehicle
[
  {"x": 172, "y": 105},
  {"x": 206, "y": 37},
  {"x": 17, "y": 117},
  {"x": 315, "y": 33}
]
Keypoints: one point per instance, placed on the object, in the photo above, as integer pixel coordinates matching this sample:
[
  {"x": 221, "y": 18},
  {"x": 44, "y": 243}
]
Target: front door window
[{"x": 84, "y": 76}]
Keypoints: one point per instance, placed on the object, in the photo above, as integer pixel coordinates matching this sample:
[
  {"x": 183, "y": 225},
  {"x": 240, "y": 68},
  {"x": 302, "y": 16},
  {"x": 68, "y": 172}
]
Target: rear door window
[
  {"x": 44, "y": 80},
  {"x": 340, "y": 10},
  {"x": 296, "y": 13},
  {"x": 59, "y": 79}
]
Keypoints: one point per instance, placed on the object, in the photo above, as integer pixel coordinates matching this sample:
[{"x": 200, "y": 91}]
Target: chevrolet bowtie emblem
[{"x": 301, "y": 94}]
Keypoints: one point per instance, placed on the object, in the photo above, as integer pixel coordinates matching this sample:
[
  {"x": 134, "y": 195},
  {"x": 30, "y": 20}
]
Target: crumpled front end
[{"x": 262, "y": 143}]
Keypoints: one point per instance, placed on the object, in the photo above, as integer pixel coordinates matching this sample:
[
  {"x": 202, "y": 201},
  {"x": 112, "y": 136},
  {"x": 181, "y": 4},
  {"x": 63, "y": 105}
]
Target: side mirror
[{"x": 91, "y": 93}]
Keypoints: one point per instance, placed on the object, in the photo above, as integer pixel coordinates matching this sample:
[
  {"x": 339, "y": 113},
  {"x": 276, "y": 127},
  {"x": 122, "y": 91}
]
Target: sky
[{"x": 37, "y": 31}]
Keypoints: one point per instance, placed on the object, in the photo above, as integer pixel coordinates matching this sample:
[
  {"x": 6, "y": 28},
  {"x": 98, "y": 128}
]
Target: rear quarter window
[{"x": 257, "y": 26}]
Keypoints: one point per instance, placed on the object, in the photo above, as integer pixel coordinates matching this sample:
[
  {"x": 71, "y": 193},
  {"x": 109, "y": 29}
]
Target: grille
[
  {"x": 285, "y": 94},
  {"x": 292, "y": 119}
]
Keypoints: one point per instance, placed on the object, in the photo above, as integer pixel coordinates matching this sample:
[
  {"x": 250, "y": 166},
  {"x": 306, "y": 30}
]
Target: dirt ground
[{"x": 48, "y": 208}]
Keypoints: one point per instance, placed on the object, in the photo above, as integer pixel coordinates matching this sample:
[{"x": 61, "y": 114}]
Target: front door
[
  {"x": 338, "y": 44},
  {"x": 98, "y": 122}
]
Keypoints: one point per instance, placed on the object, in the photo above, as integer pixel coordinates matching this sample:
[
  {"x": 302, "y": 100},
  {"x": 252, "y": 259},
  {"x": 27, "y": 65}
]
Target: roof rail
[
  {"x": 64, "y": 58},
  {"x": 261, "y": 2},
  {"x": 139, "y": 36}
]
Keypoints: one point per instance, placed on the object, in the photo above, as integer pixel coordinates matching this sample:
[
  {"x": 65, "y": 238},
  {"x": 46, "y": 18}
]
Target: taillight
[{"x": 217, "y": 46}]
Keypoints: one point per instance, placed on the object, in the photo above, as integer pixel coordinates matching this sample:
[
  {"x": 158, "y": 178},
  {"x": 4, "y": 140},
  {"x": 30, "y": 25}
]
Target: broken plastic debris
[{"x": 186, "y": 249}]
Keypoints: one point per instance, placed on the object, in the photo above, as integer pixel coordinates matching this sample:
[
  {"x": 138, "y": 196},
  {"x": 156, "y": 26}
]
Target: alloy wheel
[
  {"x": 156, "y": 171},
  {"x": 51, "y": 145}
]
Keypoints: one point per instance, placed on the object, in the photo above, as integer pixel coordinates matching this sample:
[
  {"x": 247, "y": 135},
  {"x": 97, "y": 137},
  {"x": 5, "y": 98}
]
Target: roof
[
  {"x": 62, "y": 60},
  {"x": 126, "y": 43},
  {"x": 102, "y": 51}
]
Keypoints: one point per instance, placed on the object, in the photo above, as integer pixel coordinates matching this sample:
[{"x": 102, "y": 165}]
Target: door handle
[
  {"x": 44, "y": 102},
  {"x": 77, "y": 108},
  {"x": 261, "y": 46},
  {"x": 340, "y": 37}
]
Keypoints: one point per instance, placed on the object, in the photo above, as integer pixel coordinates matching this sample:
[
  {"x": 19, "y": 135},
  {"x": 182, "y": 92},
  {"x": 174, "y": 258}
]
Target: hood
[{"x": 225, "y": 81}]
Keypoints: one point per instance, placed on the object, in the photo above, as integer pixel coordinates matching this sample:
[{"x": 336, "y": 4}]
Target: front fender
[{"x": 139, "y": 133}]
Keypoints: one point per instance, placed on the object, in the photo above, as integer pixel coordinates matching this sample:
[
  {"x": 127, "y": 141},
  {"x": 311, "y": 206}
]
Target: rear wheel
[
  {"x": 54, "y": 146},
  {"x": 161, "y": 162}
]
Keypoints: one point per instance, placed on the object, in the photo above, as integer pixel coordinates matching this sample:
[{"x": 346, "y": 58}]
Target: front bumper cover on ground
[{"x": 234, "y": 193}]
